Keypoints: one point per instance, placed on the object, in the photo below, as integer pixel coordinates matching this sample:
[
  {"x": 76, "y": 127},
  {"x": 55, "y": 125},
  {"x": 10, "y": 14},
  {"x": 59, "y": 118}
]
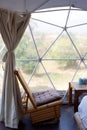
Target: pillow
[
  {"x": 46, "y": 96},
  {"x": 82, "y": 109}
]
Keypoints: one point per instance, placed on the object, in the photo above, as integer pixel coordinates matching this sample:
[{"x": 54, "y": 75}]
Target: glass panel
[
  {"x": 77, "y": 17},
  {"x": 80, "y": 38},
  {"x": 61, "y": 72},
  {"x": 44, "y": 34},
  {"x": 1, "y": 76},
  {"x": 26, "y": 48},
  {"x": 82, "y": 72},
  {"x": 62, "y": 48},
  {"x": 2, "y": 52},
  {"x": 40, "y": 80},
  {"x": 2, "y": 48},
  {"x": 54, "y": 17},
  {"x": 53, "y": 50}
]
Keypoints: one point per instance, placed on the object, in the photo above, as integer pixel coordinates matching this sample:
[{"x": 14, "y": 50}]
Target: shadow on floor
[{"x": 66, "y": 122}]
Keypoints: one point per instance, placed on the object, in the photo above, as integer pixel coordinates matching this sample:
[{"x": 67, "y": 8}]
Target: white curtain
[{"x": 12, "y": 27}]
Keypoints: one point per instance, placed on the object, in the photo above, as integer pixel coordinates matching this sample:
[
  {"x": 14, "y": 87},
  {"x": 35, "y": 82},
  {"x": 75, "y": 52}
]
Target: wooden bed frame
[{"x": 79, "y": 122}]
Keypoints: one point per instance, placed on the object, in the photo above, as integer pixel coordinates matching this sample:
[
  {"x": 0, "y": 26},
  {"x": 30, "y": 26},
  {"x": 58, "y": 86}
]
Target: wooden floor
[{"x": 66, "y": 122}]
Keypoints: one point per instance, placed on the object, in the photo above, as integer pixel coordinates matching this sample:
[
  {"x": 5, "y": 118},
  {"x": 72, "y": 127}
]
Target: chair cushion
[{"x": 46, "y": 96}]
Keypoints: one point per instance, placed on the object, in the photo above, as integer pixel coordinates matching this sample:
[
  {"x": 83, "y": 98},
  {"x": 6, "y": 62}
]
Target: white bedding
[{"x": 82, "y": 109}]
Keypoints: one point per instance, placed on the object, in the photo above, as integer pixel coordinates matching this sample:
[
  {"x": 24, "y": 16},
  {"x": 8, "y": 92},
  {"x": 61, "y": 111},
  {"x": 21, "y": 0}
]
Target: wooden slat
[
  {"x": 25, "y": 86},
  {"x": 79, "y": 122}
]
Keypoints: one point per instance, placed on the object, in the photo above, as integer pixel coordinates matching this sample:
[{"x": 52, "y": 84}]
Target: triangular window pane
[
  {"x": 26, "y": 48},
  {"x": 40, "y": 80},
  {"x": 53, "y": 17},
  {"x": 44, "y": 34},
  {"x": 62, "y": 49},
  {"x": 79, "y": 37},
  {"x": 77, "y": 18},
  {"x": 81, "y": 73}
]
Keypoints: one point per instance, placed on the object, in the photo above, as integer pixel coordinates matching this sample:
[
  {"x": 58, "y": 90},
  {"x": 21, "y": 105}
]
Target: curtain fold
[{"x": 12, "y": 27}]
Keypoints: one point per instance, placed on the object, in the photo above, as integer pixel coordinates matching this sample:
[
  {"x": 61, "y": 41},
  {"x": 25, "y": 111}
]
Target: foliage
[
  {"x": 63, "y": 49},
  {"x": 25, "y": 52}
]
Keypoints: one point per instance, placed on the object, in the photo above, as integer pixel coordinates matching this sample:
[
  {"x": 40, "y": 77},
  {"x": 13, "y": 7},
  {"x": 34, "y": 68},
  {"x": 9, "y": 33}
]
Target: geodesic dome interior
[
  {"x": 57, "y": 48},
  {"x": 51, "y": 53},
  {"x": 56, "y": 41}
]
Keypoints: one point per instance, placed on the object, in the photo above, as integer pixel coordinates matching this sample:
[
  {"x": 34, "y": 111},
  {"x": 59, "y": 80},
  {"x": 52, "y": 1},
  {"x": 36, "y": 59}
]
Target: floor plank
[{"x": 66, "y": 122}]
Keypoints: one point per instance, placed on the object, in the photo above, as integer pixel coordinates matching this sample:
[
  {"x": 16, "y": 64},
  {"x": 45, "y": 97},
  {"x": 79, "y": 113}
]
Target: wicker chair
[{"x": 41, "y": 111}]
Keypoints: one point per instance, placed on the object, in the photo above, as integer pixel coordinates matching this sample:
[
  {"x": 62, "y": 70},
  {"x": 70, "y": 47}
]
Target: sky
[{"x": 59, "y": 18}]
